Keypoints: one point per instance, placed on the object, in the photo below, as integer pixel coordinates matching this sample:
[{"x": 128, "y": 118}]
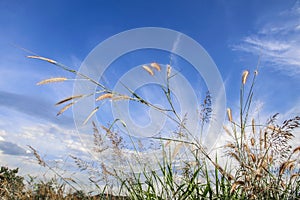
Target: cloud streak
[
  {"x": 31, "y": 106},
  {"x": 277, "y": 42},
  {"x": 10, "y": 148}
]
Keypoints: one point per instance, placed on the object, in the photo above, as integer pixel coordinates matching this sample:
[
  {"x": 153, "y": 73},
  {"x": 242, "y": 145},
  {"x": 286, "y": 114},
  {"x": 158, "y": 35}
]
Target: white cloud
[
  {"x": 277, "y": 41},
  {"x": 268, "y": 45},
  {"x": 3, "y": 133}
]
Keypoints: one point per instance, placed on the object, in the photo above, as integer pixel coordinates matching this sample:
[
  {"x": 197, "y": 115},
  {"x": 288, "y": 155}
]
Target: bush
[{"x": 11, "y": 185}]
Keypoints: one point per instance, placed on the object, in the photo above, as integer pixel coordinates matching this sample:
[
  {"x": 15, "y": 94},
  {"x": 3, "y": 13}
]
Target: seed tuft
[
  {"x": 52, "y": 80},
  {"x": 104, "y": 96},
  {"x": 229, "y": 114},
  {"x": 43, "y": 58},
  {"x": 244, "y": 76},
  {"x": 150, "y": 71},
  {"x": 155, "y": 66}
]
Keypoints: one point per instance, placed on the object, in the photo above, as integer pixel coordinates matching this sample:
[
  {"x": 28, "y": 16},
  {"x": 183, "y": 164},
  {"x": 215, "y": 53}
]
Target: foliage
[{"x": 11, "y": 185}]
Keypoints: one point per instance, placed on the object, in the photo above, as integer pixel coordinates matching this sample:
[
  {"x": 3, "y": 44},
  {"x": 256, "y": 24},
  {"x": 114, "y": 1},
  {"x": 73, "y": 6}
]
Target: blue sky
[{"x": 234, "y": 33}]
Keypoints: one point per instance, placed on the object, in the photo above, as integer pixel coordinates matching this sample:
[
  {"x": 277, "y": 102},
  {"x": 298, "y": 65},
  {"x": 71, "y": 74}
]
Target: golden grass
[
  {"x": 104, "y": 96},
  {"x": 37, "y": 156},
  {"x": 257, "y": 149},
  {"x": 148, "y": 69},
  {"x": 52, "y": 80},
  {"x": 229, "y": 114},
  {"x": 66, "y": 107},
  {"x": 245, "y": 76},
  {"x": 297, "y": 149},
  {"x": 120, "y": 97},
  {"x": 155, "y": 66},
  {"x": 68, "y": 99},
  {"x": 43, "y": 58}
]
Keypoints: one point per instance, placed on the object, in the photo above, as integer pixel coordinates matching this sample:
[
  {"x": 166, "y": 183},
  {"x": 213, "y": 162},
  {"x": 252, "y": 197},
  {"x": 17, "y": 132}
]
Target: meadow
[{"x": 260, "y": 161}]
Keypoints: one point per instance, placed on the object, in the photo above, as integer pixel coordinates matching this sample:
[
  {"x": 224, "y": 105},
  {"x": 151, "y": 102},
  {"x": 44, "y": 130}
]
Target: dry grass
[
  {"x": 104, "y": 96},
  {"x": 68, "y": 99},
  {"x": 52, "y": 80},
  {"x": 148, "y": 69},
  {"x": 43, "y": 58},
  {"x": 66, "y": 107},
  {"x": 245, "y": 76},
  {"x": 266, "y": 167},
  {"x": 155, "y": 66}
]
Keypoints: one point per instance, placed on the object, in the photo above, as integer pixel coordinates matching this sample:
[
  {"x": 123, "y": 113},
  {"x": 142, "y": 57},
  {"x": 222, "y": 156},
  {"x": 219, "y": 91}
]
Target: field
[{"x": 260, "y": 162}]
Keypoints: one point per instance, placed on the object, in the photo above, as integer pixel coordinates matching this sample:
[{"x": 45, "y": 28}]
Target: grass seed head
[
  {"x": 38, "y": 157},
  {"x": 294, "y": 176},
  {"x": 235, "y": 185},
  {"x": 245, "y": 76},
  {"x": 253, "y": 157},
  {"x": 65, "y": 108},
  {"x": 230, "y": 145},
  {"x": 68, "y": 99},
  {"x": 169, "y": 68},
  {"x": 286, "y": 165},
  {"x": 297, "y": 149},
  {"x": 120, "y": 97},
  {"x": 104, "y": 96},
  {"x": 52, "y": 80},
  {"x": 252, "y": 141},
  {"x": 155, "y": 66},
  {"x": 229, "y": 114},
  {"x": 150, "y": 71},
  {"x": 43, "y": 58}
]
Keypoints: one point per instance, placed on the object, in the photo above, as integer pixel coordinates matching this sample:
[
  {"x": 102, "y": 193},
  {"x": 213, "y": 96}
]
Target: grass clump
[{"x": 266, "y": 166}]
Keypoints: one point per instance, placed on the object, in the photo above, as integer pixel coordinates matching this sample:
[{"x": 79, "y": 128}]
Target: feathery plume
[
  {"x": 120, "y": 97},
  {"x": 104, "y": 96},
  {"x": 65, "y": 108},
  {"x": 52, "y": 80},
  {"x": 176, "y": 150},
  {"x": 252, "y": 141},
  {"x": 285, "y": 165},
  {"x": 244, "y": 76},
  {"x": 235, "y": 185},
  {"x": 229, "y": 114},
  {"x": 296, "y": 150},
  {"x": 38, "y": 157},
  {"x": 148, "y": 70},
  {"x": 68, "y": 99},
  {"x": 155, "y": 66},
  {"x": 43, "y": 58}
]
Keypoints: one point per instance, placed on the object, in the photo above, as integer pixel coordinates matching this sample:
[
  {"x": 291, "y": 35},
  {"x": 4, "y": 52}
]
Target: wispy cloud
[{"x": 277, "y": 41}]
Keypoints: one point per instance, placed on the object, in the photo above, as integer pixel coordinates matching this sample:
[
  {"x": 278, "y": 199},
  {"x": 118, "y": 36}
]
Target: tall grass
[{"x": 264, "y": 164}]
